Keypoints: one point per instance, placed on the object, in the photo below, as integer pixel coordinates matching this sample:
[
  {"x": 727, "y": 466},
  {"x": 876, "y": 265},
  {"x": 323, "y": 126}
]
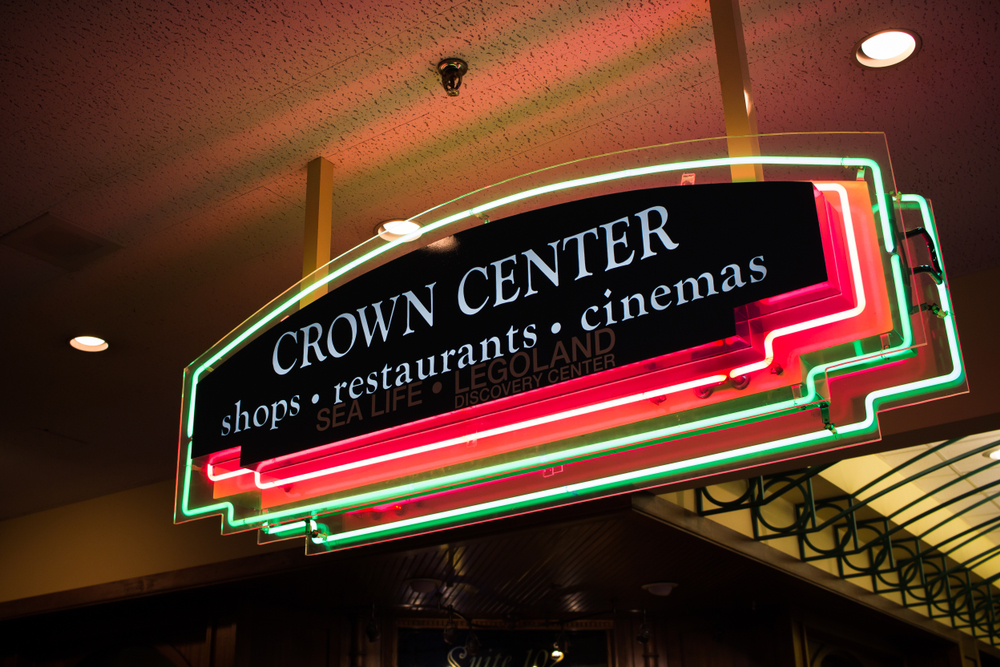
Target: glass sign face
[{"x": 593, "y": 346}]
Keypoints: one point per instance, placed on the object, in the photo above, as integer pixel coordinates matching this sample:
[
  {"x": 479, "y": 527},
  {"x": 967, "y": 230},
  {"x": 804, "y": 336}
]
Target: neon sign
[{"x": 805, "y": 369}]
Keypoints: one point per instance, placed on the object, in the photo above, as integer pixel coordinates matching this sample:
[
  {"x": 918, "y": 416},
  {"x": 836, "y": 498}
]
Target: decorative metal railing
[{"x": 900, "y": 560}]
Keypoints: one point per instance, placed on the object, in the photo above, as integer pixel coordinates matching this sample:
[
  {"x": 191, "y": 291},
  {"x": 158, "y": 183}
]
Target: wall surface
[{"x": 120, "y": 536}]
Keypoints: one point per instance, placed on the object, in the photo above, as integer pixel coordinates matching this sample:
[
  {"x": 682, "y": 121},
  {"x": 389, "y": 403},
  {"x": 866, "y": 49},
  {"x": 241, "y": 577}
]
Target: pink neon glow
[
  {"x": 828, "y": 319},
  {"x": 225, "y": 459},
  {"x": 500, "y": 430},
  {"x": 226, "y": 475}
]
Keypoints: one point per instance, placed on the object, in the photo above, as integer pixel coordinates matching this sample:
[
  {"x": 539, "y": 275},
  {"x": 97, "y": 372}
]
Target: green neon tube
[{"x": 284, "y": 528}]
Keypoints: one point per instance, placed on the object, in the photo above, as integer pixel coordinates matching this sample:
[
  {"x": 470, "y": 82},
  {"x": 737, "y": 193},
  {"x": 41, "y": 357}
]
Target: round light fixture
[
  {"x": 886, "y": 48},
  {"x": 661, "y": 588},
  {"x": 993, "y": 454},
  {"x": 395, "y": 229},
  {"x": 89, "y": 344}
]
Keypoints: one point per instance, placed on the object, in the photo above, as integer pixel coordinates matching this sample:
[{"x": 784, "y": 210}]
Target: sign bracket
[
  {"x": 318, "y": 223},
  {"x": 737, "y": 97}
]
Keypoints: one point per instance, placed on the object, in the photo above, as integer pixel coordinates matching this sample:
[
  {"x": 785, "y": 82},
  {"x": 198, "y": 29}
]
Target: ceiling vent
[{"x": 58, "y": 242}]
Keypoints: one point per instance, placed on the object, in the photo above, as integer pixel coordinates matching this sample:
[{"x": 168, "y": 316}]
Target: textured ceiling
[{"x": 180, "y": 131}]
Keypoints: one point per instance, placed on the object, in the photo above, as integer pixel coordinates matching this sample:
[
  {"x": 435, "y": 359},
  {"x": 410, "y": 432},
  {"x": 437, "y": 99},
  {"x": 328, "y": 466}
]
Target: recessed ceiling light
[
  {"x": 395, "y": 229},
  {"x": 886, "y": 48},
  {"x": 89, "y": 344},
  {"x": 993, "y": 454}
]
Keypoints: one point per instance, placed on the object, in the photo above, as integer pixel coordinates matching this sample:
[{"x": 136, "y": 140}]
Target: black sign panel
[{"x": 526, "y": 302}]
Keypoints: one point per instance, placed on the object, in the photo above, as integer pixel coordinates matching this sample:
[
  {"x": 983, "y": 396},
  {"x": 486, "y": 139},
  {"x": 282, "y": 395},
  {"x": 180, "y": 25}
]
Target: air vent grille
[{"x": 58, "y": 242}]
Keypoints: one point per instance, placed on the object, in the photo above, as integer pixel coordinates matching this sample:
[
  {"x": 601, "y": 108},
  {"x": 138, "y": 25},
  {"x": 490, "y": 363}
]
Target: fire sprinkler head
[{"x": 452, "y": 70}]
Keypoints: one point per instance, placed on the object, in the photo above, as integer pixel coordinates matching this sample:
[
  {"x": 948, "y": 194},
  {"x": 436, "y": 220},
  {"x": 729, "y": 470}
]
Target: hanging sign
[
  {"x": 597, "y": 346},
  {"x": 545, "y": 297}
]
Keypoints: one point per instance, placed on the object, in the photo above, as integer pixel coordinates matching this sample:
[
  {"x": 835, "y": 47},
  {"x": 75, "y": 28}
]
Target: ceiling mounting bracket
[{"x": 452, "y": 70}]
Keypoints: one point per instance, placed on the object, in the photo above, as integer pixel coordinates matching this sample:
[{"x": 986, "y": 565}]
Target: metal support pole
[
  {"x": 737, "y": 97},
  {"x": 319, "y": 219}
]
